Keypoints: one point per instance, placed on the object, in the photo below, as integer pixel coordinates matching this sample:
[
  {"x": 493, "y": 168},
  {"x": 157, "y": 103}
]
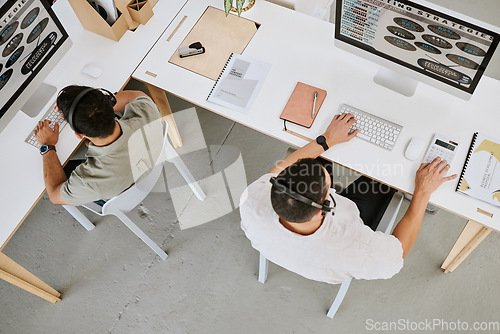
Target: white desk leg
[
  {"x": 472, "y": 235},
  {"x": 15, "y": 274},
  {"x": 160, "y": 98}
]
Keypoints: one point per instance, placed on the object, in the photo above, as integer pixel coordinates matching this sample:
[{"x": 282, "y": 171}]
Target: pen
[{"x": 314, "y": 103}]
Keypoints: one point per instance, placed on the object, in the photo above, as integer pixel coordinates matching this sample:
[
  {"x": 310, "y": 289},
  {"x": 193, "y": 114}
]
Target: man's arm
[
  {"x": 428, "y": 178},
  {"x": 53, "y": 172},
  {"x": 336, "y": 133},
  {"x": 124, "y": 97}
]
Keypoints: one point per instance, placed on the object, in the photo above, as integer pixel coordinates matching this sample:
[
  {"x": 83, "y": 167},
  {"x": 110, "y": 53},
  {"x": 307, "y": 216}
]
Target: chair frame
[
  {"x": 386, "y": 225},
  {"x": 123, "y": 203}
]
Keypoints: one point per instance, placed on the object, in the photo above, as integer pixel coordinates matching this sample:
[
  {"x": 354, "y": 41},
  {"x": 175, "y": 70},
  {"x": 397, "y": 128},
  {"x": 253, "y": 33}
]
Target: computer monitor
[
  {"x": 32, "y": 41},
  {"x": 417, "y": 41}
]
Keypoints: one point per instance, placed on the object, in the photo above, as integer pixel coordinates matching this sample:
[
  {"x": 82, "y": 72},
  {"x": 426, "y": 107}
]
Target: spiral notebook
[
  {"x": 239, "y": 83},
  {"x": 480, "y": 176}
]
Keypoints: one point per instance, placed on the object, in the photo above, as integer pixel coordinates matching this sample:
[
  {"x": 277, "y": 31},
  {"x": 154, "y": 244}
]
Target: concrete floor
[{"x": 111, "y": 282}]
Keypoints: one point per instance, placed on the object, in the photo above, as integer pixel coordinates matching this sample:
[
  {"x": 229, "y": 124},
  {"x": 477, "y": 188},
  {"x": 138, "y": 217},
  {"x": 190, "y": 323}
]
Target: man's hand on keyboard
[
  {"x": 338, "y": 130},
  {"x": 45, "y": 135}
]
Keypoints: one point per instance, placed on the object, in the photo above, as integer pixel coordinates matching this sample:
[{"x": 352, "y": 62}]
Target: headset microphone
[{"x": 325, "y": 207}]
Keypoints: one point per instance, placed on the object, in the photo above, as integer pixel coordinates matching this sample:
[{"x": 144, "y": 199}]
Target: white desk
[
  {"x": 21, "y": 167},
  {"x": 301, "y": 48}
]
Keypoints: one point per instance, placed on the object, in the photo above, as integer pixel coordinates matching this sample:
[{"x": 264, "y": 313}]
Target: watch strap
[{"x": 322, "y": 141}]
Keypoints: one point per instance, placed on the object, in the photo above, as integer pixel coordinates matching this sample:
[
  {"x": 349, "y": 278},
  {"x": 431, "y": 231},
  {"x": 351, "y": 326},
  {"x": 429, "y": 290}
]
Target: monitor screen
[
  {"x": 422, "y": 39},
  {"x": 30, "y": 34}
]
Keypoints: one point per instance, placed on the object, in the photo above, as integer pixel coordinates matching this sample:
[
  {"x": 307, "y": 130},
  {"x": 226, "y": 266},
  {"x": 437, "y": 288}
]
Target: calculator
[{"x": 440, "y": 147}]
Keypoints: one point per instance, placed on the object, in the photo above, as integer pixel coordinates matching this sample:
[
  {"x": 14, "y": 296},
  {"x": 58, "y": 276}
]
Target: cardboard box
[{"x": 92, "y": 21}]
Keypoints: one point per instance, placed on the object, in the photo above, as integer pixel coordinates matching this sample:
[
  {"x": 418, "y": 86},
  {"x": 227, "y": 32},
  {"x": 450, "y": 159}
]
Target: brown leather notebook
[{"x": 299, "y": 107}]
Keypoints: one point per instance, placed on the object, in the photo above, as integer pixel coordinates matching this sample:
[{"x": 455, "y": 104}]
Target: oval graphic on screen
[
  {"x": 7, "y": 32},
  {"x": 400, "y": 32},
  {"x": 444, "y": 32},
  {"x": 437, "y": 41},
  {"x": 5, "y": 77},
  {"x": 444, "y": 71},
  {"x": 37, "y": 30},
  {"x": 400, "y": 43},
  {"x": 30, "y": 18},
  {"x": 15, "y": 56},
  {"x": 471, "y": 49},
  {"x": 462, "y": 61},
  {"x": 39, "y": 52},
  {"x": 408, "y": 24},
  {"x": 428, "y": 48},
  {"x": 12, "y": 45}
]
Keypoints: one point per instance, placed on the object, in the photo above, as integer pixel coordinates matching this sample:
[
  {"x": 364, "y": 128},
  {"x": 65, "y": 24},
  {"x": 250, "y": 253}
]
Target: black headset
[
  {"x": 72, "y": 109},
  {"x": 325, "y": 207}
]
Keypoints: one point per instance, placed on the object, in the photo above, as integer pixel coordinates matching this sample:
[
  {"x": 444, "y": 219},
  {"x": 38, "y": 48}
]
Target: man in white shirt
[{"x": 295, "y": 220}]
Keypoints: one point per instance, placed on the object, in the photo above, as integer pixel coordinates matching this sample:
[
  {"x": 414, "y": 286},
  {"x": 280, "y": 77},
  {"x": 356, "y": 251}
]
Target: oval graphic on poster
[
  {"x": 408, "y": 24},
  {"x": 400, "y": 43},
  {"x": 12, "y": 45},
  {"x": 15, "y": 56},
  {"x": 437, "y": 41},
  {"x": 462, "y": 61},
  {"x": 5, "y": 77},
  {"x": 39, "y": 52},
  {"x": 444, "y": 71},
  {"x": 400, "y": 32},
  {"x": 7, "y": 32},
  {"x": 428, "y": 48},
  {"x": 471, "y": 49},
  {"x": 37, "y": 30},
  {"x": 444, "y": 32},
  {"x": 30, "y": 18}
]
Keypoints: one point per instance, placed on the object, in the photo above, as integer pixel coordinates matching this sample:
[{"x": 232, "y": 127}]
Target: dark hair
[
  {"x": 93, "y": 115},
  {"x": 305, "y": 177}
]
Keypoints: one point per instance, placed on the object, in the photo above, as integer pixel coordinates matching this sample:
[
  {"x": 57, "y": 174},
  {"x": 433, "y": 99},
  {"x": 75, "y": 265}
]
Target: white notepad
[{"x": 239, "y": 83}]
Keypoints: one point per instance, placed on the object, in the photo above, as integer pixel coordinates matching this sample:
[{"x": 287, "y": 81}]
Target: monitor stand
[
  {"x": 396, "y": 81},
  {"x": 39, "y": 99}
]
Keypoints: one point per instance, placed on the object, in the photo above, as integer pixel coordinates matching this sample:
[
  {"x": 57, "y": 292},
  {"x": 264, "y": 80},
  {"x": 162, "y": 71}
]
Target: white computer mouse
[
  {"x": 414, "y": 149},
  {"x": 92, "y": 69}
]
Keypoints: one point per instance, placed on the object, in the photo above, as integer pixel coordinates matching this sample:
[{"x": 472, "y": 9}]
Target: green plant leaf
[
  {"x": 228, "y": 4},
  {"x": 239, "y": 6}
]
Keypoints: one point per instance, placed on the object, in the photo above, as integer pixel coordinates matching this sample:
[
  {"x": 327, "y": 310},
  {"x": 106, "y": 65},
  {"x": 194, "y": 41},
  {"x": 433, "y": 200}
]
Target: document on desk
[
  {"x": 239, "y": 83},
  {"x": 480, "y": 176}
]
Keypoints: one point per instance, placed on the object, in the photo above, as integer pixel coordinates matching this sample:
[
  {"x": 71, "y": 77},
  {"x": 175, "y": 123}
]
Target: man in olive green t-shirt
[{"x": 118, "y": 150}]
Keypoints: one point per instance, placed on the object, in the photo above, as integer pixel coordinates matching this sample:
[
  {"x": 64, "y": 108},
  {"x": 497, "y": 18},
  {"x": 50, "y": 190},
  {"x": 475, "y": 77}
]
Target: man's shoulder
[
  {"x": 141, "y": 106},
  {"x": 255, "y": 202},
  {"x": 257, "y": 189}
]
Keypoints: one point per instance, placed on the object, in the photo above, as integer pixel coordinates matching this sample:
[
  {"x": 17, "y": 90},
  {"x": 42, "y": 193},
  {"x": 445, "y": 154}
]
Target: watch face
[
  {"x": 320, "y": 139},
  {"x": 44, "y": 149}
]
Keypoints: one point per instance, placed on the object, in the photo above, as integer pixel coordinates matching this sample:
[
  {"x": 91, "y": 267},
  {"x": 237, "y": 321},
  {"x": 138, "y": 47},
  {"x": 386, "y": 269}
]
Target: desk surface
[
  {"x": 21, "y": 167},
  {"x": 301, "y": 48}
]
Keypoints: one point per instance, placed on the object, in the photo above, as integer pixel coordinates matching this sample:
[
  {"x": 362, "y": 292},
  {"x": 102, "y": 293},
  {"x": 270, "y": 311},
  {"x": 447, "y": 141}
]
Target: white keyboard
[
  {"x": 54, "y": 117},
  {"x": 374, "y": 129}
]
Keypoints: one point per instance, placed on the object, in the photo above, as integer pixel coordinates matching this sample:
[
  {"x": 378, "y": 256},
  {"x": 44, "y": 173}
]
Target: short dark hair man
[
  {"x": 108, "y": 169},
  {"x": 331, "y": 246}
]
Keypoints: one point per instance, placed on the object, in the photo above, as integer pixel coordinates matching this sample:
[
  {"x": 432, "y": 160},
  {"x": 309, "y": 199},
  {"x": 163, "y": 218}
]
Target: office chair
[
  {"x": 123, "y": 203},
  {"x": 386, "y": 225}
]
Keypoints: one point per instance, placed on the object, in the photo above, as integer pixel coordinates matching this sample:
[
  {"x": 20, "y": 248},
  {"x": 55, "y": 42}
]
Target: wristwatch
[
  {"x": 322, "y": 141},
  {"x": 45, "y": 148}
]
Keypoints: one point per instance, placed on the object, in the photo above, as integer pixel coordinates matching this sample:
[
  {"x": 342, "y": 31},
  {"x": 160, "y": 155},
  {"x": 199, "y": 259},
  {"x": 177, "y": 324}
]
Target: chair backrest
[{"x": 131, "y": 197}]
